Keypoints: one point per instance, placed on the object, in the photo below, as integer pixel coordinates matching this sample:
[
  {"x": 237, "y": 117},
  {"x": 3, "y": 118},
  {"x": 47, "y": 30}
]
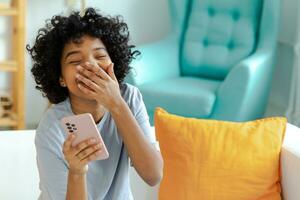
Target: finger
[
  {"x": 91, "y": 157},
  {"x": 86, "y": 91},
  {"x": 92, "y": 85},
  {"x": 97, "y": 69},
  {"x": 90, "y": 67},
  {"x": 68, "y": 142},
  {"x": 82, "y": 145},
  {"x": 84, "y": 71},
  {"x": 88, "y": 151},
  {"x": 89, "y": 72},
  {"x": 111, "y": 72}
]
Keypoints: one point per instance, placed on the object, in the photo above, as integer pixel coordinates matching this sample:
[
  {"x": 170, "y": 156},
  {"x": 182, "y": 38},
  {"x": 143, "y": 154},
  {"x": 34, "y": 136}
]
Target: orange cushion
[{"x": 219, "y": 160}]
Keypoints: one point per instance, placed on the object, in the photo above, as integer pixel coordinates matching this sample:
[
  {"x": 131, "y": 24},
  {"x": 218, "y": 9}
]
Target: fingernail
[
  {"x": 93, "y": 140},
  {"x": 98, "y": 152}
]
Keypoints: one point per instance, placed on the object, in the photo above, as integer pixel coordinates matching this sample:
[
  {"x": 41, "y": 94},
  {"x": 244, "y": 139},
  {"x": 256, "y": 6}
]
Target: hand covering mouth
[{"x": 83, "y": 84}]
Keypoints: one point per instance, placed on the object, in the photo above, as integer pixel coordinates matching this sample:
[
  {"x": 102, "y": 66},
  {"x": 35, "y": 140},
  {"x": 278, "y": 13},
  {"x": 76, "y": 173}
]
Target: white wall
[
  {"x": 5, "y": 50},
  {"x": 279, "y": 96},
  {"x": 147, "y": 21}
]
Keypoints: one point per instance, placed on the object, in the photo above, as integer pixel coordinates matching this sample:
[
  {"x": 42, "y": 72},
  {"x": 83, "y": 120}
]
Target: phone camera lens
[
  {"x": 73, "y": 125},
  {"x": 71, "y": 131},
  {"x": 68, "y": 124}
]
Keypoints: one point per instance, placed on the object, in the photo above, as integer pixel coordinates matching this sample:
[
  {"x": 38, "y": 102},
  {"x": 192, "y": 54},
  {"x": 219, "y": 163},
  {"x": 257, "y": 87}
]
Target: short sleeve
[
  {"x": 139, "y": 111},
  {"x": 52, "y": 170}
]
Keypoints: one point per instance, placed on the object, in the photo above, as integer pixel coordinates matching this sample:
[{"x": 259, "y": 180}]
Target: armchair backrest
[
  {"x": 218, "y": 34},
  {"x": 178, "y": 13}
]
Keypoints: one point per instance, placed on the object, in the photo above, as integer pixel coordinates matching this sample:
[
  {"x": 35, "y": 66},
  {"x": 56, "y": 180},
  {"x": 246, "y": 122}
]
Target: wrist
[
  {"x": 75, "y": 173},
  {"x": 78, "y": 172},
  {"x": 118, "y": 106},
  {"x": 76, "y": 177}
]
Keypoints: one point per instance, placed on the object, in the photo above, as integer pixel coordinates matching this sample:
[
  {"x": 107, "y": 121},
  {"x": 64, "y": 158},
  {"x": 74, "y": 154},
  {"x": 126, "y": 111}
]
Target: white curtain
[{"x": 293, "y": 111}]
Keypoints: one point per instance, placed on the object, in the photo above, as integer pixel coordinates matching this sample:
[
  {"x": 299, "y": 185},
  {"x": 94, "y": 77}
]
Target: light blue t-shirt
[{"x": 106, "y": 179}]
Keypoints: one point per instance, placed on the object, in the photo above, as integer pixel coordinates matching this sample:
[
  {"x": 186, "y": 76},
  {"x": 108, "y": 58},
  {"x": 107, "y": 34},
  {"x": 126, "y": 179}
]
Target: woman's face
[{"x": 88, "y": 49}]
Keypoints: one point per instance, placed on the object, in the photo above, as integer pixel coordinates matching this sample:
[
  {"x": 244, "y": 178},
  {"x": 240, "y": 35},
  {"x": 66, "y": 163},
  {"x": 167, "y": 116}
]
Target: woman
[{"x": 79, "y": 64}]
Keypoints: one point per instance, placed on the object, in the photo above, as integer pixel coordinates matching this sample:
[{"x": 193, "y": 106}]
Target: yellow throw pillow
[{"x": 219, "y": 160}]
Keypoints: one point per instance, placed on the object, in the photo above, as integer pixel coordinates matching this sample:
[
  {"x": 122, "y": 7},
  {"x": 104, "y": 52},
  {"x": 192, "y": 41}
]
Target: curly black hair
[{"x": 59, "y": 30}]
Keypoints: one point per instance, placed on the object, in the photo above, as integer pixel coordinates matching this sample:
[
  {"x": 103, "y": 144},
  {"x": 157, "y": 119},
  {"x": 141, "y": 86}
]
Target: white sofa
[{"x": 19, "y": 175}]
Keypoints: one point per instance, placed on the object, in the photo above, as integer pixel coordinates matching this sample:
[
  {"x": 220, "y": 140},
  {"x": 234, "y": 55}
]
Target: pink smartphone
[{"x": 84, "y": 127}]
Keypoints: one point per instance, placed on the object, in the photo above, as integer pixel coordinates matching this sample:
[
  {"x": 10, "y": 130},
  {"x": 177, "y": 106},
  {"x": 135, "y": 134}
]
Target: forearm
[
  {"x": 76, "y": 187},
  {"x": 144, "y": 157}
]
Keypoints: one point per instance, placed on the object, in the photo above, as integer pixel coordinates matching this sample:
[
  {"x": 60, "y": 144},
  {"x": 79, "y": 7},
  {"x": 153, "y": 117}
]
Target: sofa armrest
[
  {"x": 244, "y": 93},
  {"x": 158, "y": 60},
  {"x": 19, "y": 172},
  {"x": 290, "y": 163},
  {"x": 140, "y": 189}
]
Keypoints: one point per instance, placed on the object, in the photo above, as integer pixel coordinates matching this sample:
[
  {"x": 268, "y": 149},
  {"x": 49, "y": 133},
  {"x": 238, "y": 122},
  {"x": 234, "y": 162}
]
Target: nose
[
  {"x": 92, "y": 61},
  {"x": 98, "y": 63}
]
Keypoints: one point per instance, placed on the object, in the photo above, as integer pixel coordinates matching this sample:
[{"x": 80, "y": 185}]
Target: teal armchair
[{"x": 216, "y": 62}]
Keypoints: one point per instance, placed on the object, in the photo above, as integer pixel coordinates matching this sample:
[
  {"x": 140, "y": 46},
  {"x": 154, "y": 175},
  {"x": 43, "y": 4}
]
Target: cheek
[
  {"x": 104, "y": 64},
  {"x": 69, "y": 74}
]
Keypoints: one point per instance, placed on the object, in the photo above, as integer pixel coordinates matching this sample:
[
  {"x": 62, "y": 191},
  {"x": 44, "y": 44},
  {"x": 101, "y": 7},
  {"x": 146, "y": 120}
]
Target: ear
[{"x": 62, "y": 82}]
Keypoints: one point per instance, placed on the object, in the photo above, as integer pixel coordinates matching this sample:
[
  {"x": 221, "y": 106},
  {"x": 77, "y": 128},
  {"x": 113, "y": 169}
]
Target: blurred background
[
  {"x": 148, "y": 21},
  {"x": 233, "y": 60}
]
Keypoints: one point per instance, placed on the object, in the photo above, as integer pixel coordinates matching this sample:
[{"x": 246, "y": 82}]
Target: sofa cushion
[
  {"x": 218, "y": 35},
  {"x": 213, "y": 160},
  {"x": 194, "y": 97}
]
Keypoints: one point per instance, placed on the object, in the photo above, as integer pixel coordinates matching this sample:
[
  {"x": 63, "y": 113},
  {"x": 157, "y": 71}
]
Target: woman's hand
[
  {"x": 101, "y": 86},
  {"x": 79, "y": 156}
]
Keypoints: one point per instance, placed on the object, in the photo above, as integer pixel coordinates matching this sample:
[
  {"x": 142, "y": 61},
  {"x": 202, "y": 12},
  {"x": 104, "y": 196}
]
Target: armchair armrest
[
  {"x": 159, "y": 60},
  {"x": 290, "y": 163},
  {"x": 244, "y": 93}
]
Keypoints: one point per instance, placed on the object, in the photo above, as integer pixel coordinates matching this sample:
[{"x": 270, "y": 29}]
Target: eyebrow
[
  {"x": 99, "y": 48},
  {"x": 75, "y": 52},
  {"x": 71, "y": 53}
]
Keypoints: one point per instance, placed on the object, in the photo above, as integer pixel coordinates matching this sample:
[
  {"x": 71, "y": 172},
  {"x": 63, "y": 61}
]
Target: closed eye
[
  {"x": 100, "y": 57},
  {"x": 75, "y": 62}
]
